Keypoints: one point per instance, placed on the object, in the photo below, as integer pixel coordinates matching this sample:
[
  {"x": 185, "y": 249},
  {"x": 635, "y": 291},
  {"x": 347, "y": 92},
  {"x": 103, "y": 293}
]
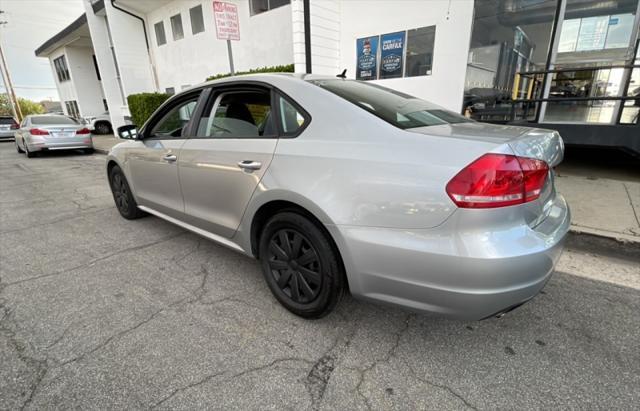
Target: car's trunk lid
[{"x": 545, "y": 145}]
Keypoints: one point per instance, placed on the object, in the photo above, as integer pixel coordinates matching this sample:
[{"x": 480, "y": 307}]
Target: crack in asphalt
[
  {"x": 39, "y": 367},
  {"x": 121, "y": 334},
  {"x": 210, "y": 377},
  {"x": 441, "y": 386},
  {"x": 385, "y": 359},
  {"x": 96, "y": 260},
  {"x": 57, "y": 221}
]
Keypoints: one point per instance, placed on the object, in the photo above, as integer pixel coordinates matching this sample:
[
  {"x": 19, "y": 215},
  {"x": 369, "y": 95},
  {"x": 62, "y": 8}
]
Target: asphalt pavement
[{"x": 97, "y": 312}]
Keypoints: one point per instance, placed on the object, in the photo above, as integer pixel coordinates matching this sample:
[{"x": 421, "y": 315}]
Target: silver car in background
[
  {"x": 46, "y": 132},
  {"x": 339, "y": 185},
  {"x": 8, "y": 127}
]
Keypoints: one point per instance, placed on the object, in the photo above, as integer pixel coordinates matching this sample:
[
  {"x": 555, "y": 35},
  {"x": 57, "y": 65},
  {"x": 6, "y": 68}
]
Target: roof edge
[{"x": 41, "y": 51}]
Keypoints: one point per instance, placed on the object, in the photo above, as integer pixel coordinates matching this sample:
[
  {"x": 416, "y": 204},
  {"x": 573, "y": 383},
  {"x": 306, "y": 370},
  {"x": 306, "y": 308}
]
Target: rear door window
[
  {"x": 400, "y": 109},
  {"x": 239, "y": 114}
]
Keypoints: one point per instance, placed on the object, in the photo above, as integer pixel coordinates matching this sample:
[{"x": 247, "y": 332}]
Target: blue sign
[
  {"x": 392, "y": 51},
  {"x": 367, "y": 52}
]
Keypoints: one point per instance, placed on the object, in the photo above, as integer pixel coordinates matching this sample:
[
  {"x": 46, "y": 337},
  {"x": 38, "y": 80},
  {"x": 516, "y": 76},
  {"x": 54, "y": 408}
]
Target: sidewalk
[{"x": 604, "y": 207}]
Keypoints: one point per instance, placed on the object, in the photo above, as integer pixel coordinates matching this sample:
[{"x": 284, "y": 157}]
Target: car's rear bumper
[
  {"x": 7, "y": 135},
  {"x": 60, "y": 144},
  {"x": 459, "y": 269}
]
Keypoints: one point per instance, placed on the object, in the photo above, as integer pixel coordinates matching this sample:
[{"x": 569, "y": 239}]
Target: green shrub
[
  {"x": 288, "y": 68},
  {"x": 143, "y": 105}
]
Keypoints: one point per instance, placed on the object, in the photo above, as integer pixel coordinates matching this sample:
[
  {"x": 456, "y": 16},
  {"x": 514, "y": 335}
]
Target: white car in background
[{"x": 100, "y": 124}]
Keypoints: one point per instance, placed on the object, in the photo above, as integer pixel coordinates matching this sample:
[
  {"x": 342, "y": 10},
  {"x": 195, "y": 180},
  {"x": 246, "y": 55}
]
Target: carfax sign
[
  {"x": 391, "y": 54},
  {"x": 367, "y": 52}
]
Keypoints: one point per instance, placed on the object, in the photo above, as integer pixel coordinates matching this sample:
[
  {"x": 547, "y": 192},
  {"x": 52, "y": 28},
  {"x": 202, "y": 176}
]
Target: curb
[{"x": 622, "y": 246}]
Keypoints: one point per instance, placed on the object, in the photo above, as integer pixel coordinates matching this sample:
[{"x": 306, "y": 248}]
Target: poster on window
[
  {"x": 367, "y": 49},
  {"x": 391, "y": 52}
]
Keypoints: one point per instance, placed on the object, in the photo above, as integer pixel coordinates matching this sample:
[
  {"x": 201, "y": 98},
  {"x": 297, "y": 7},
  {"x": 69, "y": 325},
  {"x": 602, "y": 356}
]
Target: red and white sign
[{"x": 226, "y": 17}]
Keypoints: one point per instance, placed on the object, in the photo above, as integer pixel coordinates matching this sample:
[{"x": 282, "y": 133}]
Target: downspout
[
  {"x": 146, "y": 40},
  {"x": 307, "y": 35}
]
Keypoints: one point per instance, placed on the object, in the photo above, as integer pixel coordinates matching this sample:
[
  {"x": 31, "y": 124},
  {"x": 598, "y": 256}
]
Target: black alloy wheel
[
  {"x": 301, "y": 265},
  {"x": 125, "y": 203},
  {"x": 295, "y": 265}
]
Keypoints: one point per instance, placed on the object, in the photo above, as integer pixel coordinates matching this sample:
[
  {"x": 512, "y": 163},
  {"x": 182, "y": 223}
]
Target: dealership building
[{"x": 571, "y": 65}]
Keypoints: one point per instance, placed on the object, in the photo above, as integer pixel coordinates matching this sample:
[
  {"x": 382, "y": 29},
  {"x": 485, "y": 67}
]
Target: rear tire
[
  {"x": 300, "y": 265},
  {"x": 103, "y": 128},
  {"x": 30, "y": 154},
  {"x": 88, "y": 151},
  {"x": 18, "y": 149},
  {"x": 125, "y": 203}
]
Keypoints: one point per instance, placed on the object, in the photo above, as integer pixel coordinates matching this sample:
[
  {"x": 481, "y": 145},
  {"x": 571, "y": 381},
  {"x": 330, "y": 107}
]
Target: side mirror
[{"x": 128, "y": 132}]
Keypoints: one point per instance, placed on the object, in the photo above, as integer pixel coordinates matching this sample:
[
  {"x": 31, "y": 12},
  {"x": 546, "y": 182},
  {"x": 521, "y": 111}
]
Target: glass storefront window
[{"x": 508, "y": 37}]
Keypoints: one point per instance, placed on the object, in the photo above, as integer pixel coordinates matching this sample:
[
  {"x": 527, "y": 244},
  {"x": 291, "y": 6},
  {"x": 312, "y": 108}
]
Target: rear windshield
[
  {"x": 55, "y": 120},
  {"x": 6, "y": 120},
  {"x": 401, "y": 110}
]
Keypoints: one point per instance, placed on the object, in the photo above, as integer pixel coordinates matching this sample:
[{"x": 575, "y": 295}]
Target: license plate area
[{"x": 62, "y": 134}]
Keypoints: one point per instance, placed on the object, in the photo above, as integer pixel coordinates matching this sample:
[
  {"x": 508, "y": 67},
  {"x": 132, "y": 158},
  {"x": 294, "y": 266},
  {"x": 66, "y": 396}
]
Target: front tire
[
  {"x": 300, "y": 265},
  {"x": 125, "y": 203}
]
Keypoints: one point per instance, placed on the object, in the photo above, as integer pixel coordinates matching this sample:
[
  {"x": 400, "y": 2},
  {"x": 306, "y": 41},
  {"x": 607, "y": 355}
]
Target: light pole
[{"x": 8, "y": 85}]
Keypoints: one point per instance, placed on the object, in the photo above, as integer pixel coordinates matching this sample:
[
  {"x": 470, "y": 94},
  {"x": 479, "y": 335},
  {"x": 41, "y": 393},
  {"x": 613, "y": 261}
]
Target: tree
[{"x": 27, "y": 106}]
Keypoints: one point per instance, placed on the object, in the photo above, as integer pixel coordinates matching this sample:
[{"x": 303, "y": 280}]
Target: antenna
[{"x": 343, "y": 74}]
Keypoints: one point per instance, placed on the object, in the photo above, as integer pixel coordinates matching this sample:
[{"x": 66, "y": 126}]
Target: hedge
[
  {"x": 288, "y": 68},
  {"x": 143, "y": 105}
]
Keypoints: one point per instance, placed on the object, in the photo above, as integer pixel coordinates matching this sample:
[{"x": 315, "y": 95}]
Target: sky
[{"x": 29, "y": 24}]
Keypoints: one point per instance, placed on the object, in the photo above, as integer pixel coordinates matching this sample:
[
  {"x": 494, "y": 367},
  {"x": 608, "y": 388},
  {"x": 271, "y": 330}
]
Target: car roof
[{"x": 266, "y": 77}]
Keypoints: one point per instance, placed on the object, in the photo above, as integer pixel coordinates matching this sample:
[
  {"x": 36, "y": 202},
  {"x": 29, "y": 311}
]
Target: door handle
[
  {"x": 249, "y": 165},
  {"x": 170, "y": 158}
]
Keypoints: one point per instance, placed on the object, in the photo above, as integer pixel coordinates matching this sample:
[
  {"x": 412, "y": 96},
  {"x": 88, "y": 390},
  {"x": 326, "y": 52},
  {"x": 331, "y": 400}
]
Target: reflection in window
[
  {"x": 420, "y": 51},
  {"x": 507, "y": 38},
  {"x": 161, "y": 38},
  {"x": 176, "y": 27},
  {"x": 173, "y": 123},
  {"x": 291, "y": 119},
  {"x": 596, "y": 33},
  {"x": 197, "y": 21}
]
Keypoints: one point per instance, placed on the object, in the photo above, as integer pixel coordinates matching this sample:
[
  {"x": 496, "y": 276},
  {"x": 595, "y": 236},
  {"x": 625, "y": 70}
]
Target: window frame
[
  {"x": 62, "y": 68},
  {"x": 164, "y": 33},
  {"x": 269, "y": 8},
  {"x": 177, "y": 17},
  {"x": 199, "y": 6},
  {"x": 215, "y": 91}
]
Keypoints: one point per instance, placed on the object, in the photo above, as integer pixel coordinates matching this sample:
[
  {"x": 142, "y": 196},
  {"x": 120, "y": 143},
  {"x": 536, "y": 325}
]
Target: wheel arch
[{"x": 275, "y": 206}]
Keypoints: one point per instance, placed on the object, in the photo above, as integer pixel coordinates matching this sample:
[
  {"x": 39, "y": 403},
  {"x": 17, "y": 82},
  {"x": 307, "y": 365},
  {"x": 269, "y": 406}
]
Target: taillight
[
  {"x": 14, "y": 126},
  {"x": 83, "y": 131},
  {"x": 498, "y": 180},
  {"x": 38, "y": 132}
]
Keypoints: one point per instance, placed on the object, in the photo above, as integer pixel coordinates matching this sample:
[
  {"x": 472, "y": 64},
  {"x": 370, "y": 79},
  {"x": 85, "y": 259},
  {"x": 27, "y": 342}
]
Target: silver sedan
[
  {"x": 337, "y": 185},
  {"x": 46, "y": 132}
]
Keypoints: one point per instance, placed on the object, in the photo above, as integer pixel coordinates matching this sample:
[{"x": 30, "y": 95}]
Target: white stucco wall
[
  {"x": 453, "y": 21},
  {"x": 110, "y": 83},
  {"x": 130, "y": 48},
  {"x": 85, "y": 81},
  {"x": 266, "y": 39}
]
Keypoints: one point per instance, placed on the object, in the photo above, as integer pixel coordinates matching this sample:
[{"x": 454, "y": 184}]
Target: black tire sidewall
[
  {"x": 132, "y": 211},
  {"x": 330, "y": 269}
]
